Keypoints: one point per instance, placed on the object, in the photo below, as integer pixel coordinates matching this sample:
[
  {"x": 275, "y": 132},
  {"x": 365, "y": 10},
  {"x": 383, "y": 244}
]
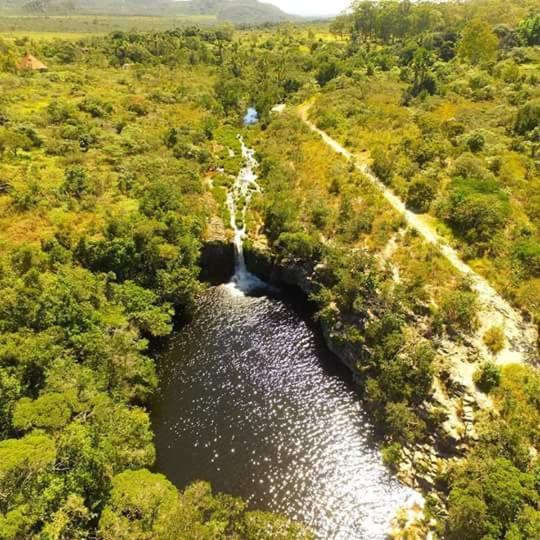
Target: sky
[{"x": 311, "y": 7}]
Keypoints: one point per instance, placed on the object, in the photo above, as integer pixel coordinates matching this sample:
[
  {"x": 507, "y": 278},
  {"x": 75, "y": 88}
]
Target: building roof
[{"x": 32, "y": 63}]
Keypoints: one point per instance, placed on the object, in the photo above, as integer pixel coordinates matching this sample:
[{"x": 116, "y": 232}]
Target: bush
[
  {"x": 299, "y": 246},
  {"x": 402, "y": 423},
  {"x": 468, "y": 165},
  {"x": 477, "y": 210},
  {"x": 495, "y": 339},
  {"x": 476, "y": 142},
  {"x": 487, "y": 377},
  {"x": 76, "y": 182},
  {"x": 528, "y": 118},
  {"x": 528, "y": 253},
  {"x": 327, "y": 72},
  {"x": 420, "y": 196},
  {"x": 458, "y": 311},
  {"x": 138, "y": 105},
  {"x": 529, "y": 30},
  {"x": 383, "y": 163},
  {"x": 95, "y": 107},
  {"x": 391, "y": 455}
]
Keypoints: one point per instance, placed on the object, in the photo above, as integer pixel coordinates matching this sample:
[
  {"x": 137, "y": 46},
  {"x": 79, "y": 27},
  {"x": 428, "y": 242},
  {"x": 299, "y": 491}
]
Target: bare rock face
[
  {"x": 217, "y": 254},
  {"x": 217, "y": 262}
]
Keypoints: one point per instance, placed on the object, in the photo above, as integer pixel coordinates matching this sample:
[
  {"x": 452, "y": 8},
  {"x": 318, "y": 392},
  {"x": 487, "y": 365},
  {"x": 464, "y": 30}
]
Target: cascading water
[{"x": 238, "y": 200}]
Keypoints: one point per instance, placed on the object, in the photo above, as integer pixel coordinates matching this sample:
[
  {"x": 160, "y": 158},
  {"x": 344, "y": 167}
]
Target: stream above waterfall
[{"x": 252, "y": 400}]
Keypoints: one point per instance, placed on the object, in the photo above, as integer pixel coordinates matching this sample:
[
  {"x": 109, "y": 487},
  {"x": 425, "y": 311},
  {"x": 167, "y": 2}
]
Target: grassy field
[{"x": 73, "y": 27}]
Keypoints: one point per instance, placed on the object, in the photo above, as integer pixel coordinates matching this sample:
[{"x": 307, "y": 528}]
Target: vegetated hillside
[
  {"x": 104, "y": 203},
  {"x": 237, "y": 11},
  {"x": 251, "y": 12},
  {"x": 447, "y": 113}
]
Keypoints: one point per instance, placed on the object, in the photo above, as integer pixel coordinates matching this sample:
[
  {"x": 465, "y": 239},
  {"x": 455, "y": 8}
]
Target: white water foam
[{"x": 238, "y": 201}]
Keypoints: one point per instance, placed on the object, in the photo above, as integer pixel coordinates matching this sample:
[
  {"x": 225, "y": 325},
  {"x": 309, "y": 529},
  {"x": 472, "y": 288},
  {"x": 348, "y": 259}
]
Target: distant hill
[
  {"x": 237, "y": 11},
  {"x": 251, "y": 11}
]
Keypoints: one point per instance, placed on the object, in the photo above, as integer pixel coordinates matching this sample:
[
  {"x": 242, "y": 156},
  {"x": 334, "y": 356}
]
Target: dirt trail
[{"x": 521, "y": 336}]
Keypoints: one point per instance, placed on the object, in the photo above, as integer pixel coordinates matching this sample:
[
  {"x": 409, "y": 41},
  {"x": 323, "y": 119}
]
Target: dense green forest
[
  {"x": 113, "y": 164},
  {"x": 104, "y": 208}
]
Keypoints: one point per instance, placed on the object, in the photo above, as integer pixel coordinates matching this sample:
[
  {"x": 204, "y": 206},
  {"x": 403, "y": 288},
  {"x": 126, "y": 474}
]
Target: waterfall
[{"x": 238, "y": 200}]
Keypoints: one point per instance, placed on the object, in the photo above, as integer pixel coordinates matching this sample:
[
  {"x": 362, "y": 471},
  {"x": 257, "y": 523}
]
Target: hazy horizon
[{"x": 310, "y": 7}]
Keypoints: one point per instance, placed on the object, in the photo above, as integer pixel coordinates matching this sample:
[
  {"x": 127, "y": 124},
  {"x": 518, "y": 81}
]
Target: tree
[
  {"x": 327, "y": 72},
  {"x": 423, "y": 80},
  {"x": 266, "y": 526},
  {"x": 142, "y": 506},
  {"x": 76, "y": 182},
  {"x": 23, "y": 462},
  {"x": 478, "y": 43},
  {"x": 50, "y": 412},
  {"x": 420, "y": 195},
  {"x": 340, "y": 26},
  {"x": 467, "y": 516},
  {"x": 143, "y": 310},
  {"x": 529, "y": 30}
]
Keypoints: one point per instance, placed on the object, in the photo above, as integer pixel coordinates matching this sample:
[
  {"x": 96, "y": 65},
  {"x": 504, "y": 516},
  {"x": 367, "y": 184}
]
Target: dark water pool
[{"x": 252, "y": 401}]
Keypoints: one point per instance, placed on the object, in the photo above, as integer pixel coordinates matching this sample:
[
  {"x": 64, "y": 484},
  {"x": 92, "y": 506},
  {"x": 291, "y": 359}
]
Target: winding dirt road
[{"x": 521, "y": 337}]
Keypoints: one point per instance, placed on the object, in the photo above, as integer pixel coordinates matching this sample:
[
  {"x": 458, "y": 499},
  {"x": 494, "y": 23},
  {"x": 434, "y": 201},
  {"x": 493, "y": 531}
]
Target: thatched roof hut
[{"x": 31, "y": 63}]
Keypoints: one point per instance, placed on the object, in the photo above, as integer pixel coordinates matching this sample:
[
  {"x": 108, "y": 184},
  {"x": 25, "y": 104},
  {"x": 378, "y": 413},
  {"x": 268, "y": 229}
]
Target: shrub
[
  {"x": 495, "y": 339},
  {"x": 383, "y": 163},
  {"x": 476, "y": 142},
  {"x": 469, "y": 166},
  {"x": 138, "y": 105},
  {"x": 299, "y": 246},
  {"x": 327, "y": 72},
  {"x": 477, "y": 210},
  {"x": 76, "y": 182},
  {"x": 529, "y": 30},
  {"x": 402, "y": 423},
  {"x": 528, "y": 118},
  {"x": 478, "y": 42},
  {"x": 95, "y": 107},
  {"x": 420, "y": 196},
  {"x": 458, "y": 311},
  {"x": 487, "y": 377},
  {"x": 528, "y": 253},
  {"x": 391, "y": 455}
]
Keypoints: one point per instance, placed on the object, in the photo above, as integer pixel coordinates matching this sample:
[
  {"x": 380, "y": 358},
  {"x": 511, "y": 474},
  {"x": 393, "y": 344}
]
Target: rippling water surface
[{"x": 251, "y": 401}]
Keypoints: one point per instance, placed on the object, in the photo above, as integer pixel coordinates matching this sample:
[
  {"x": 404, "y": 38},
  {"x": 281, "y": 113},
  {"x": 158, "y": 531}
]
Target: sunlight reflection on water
[{"x": 252, "y": 402}]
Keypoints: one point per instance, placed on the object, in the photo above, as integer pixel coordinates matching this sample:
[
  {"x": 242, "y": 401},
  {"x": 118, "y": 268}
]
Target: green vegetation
[
  {"x": 494, "y": 339},
  {"x": 444, "y": 98},
  {"x": 104, "y": 207},
  {"x": 106, "y": 192},
  {"x": 494, "y": 493},
  {"x": 488, "y": 377},
  {"x": 162, "y": 15}
]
